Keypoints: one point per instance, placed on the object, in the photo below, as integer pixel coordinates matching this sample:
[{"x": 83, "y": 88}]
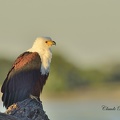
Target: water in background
[{"x": 80, "y": 110}]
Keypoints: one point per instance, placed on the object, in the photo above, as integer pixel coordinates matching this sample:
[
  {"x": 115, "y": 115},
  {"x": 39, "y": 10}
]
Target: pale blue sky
[{"x": 87, "y": 32}]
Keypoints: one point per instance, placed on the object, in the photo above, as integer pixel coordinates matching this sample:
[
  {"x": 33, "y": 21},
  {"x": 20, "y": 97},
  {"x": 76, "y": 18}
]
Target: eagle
[{"x": 28, "y": 73}]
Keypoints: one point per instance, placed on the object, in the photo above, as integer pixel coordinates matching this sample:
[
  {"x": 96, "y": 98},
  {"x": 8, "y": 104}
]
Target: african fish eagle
[{"x": 29, "y": 73}]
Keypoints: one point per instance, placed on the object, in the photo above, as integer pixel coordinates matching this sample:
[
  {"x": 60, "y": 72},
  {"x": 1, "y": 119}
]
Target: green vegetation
[
  {"x": 4, "y": 68},
  {"x": 64, "y": 76}
]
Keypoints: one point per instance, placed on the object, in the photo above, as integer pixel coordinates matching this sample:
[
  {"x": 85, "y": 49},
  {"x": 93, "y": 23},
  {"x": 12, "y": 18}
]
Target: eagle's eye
[{"x": 46, "y": 41}]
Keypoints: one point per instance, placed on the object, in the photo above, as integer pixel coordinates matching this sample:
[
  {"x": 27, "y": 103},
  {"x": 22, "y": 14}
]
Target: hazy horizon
[{"x": 86, "y": 31}]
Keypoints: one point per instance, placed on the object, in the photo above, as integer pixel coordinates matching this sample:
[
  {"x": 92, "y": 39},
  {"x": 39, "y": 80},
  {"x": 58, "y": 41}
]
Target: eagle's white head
[
  {"x": 43, "y": 43},
  {"x": 42, "y": 46}
]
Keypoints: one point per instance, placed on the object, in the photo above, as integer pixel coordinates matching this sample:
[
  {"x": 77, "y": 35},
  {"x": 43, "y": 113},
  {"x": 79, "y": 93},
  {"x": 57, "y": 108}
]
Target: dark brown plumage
[{"x": 23, "y": 79}]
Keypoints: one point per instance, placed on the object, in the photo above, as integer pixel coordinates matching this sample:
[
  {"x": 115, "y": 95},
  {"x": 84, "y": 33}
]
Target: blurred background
[{"x": 85, "y": 69}]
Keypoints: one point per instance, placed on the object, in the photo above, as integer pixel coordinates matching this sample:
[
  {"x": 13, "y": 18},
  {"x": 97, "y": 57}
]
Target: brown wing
[{"x": 23, "y": 79}]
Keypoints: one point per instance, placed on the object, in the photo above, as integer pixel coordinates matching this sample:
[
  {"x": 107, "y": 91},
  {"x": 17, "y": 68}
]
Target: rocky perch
[{"x": 29, "y": 109}]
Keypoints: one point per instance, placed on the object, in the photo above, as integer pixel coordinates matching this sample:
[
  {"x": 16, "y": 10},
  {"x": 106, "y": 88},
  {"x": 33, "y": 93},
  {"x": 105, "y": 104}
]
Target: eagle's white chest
[
  {"x": 46, "y": 60},
  {"x": 45, "y": 56}
]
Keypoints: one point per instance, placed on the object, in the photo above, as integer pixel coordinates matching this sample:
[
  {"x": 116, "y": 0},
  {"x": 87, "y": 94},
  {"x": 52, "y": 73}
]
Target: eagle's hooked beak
[
  {"x": 53, "y": 42},
  {"x": 50, "y": 42}
]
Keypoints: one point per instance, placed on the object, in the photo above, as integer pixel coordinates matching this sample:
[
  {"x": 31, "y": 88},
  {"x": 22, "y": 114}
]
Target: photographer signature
[{"x": 104, "y": 107}]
